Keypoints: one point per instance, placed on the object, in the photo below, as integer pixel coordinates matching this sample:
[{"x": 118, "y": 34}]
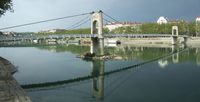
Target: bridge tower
[
  {"x": 98, "y": 79},
  {"x": 175, "y": 34},
  {"x": 97, "y": 29}
]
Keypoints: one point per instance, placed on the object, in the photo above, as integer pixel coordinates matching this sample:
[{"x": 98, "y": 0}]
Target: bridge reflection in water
[
  {"x": 10, "y": 90},
  {"x": 98, "y": 74},
  {"x": 98, "y": 79}
]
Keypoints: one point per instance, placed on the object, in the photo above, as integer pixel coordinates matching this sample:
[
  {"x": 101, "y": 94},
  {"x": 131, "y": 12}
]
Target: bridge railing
[{"x": 61, "y": 36}]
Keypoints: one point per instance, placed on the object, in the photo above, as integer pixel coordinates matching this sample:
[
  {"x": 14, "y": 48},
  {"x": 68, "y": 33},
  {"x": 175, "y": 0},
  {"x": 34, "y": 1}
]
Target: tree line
[
  {"x": 185, "y": 28},
  {"x": 5, "y": 5},
  {"x": 73, "y": 31}
]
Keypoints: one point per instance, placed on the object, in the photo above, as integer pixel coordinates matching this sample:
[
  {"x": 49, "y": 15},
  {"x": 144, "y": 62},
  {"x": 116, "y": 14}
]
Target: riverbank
[
  {"x": 159, "y": 40},
  {"x": 10, "y": 89}
]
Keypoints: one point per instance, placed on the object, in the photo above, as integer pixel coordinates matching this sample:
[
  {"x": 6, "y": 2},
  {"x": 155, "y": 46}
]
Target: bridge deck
[{"x": 62, "y": 36}]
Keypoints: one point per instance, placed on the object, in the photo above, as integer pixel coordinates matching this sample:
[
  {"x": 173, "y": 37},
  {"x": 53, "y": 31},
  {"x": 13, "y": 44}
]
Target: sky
[{"x": 27, "y": 11}]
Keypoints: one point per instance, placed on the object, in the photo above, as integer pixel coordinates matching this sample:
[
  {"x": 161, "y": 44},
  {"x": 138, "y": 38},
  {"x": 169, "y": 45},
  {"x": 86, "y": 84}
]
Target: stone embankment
[{"x": 10, "y": 90}]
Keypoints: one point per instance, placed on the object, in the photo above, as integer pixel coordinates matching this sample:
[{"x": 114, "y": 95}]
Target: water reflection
[
  {"x": 127, "y": 53},
  {"x": 97, "y": 76},
  {"x": 10, "y": 90},
  {"x": 98, "y": 79}
]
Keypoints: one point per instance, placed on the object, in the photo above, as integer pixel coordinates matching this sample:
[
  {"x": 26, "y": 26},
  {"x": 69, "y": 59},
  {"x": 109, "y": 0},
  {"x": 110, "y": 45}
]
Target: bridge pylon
[
  {"x": 97, "y": 29},
  {"x": 175, "y": 34}
]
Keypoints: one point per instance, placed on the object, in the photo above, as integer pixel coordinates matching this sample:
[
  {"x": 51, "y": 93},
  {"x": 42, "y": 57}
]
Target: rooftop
[{"x": 123, "y": 23}]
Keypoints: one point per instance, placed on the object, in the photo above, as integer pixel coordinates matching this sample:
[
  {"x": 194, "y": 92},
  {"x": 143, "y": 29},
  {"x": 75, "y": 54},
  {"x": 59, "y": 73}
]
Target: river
[{"x": 175, "y": 78}]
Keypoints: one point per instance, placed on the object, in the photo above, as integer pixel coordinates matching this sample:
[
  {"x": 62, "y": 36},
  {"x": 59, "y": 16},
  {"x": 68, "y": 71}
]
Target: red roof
[
  {"x": 123, "y": 23},
  {"x": 198, "y": 17}
]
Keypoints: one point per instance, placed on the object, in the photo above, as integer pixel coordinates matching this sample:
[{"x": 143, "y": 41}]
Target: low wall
[
  {"x": 193, "y": 41},
  {"x": 145, "y": 41}
]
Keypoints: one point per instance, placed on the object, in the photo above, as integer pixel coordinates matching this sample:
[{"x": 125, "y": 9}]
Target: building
[
  {"x": 198, "y": 19},
  {"x": 176, "y": 21},
  {"x": 198, "y": 26},
  {"x": 162, "y": 20},
  {"x": 114, "y": 25},
  {"x": 52, "y": 31},
  {"x": 8, "y": 33}
]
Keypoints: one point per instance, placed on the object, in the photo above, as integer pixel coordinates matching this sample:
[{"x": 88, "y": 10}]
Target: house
[
  {"x": 162, "y": 20},
  {"x": 176, "y": 21},
  {"x": 52, "y": 31},
  {"x": 8, "y": 33},
  {"x": 198, "y": 26},
  {"x": 113, "y": 25},
  {"x": 198, "y": 19}
]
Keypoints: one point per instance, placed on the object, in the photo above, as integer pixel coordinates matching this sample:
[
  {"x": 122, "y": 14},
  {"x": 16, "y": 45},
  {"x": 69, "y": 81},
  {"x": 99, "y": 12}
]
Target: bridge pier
[
  {"x": 174, "y": 40},
  {"x": 94, "y": 45},
  {"x": 101, "y": 46}
]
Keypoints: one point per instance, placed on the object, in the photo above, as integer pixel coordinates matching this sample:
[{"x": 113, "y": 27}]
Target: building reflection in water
[
  {"x": 10, "y": 90},
  {"x": 163, "y": 63}
]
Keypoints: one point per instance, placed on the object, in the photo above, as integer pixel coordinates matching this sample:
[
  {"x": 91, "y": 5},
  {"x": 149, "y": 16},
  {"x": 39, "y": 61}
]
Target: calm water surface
[{"x": 175, "y": 78}]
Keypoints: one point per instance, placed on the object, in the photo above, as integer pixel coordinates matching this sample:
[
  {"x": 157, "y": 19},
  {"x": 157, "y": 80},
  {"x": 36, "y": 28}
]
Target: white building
[
  {"x": 52, "y": 31},
  {"x": 198, "y": 19},
  {"x": 162, "y": 20},
  {"x": 8, "y": 33},
  {"x": 198, "y": 26},
  {"x": 114, "y": 25}
]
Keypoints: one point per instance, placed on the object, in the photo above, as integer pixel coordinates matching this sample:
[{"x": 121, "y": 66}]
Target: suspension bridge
[
  {"x": 97, "y": 20},
  {"x": 97, "y": 43}
]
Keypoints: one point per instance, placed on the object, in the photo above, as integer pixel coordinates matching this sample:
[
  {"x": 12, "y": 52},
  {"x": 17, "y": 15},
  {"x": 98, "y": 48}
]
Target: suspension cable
[
  {"x": 111, "y": 17},
  {"x": 79, "y": 23},
  {"x": 107, "y": 20},
  {"x": 43, "y": 21}
]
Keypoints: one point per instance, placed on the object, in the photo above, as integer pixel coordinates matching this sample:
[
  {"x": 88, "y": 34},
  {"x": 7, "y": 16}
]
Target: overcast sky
[{"x": 26, "y": 11}]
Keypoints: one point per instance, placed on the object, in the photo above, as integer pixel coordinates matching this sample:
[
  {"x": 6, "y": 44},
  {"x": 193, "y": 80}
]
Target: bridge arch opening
[
  {"x": 175, "y": 31},
  {"x": 95, "y": 27}
]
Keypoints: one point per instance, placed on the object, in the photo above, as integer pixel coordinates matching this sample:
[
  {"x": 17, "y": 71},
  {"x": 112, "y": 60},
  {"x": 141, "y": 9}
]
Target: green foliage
[
  {"x": 5, "y": 5},
  {"x": 74, "y": 31},
  {"x": 77, "y": 31},
  {"x": 106, "y": 31},
  {"x": 126, "y": 30},
  {"x": 198, "y": 28},
  {"x": 154, "y": 28}
]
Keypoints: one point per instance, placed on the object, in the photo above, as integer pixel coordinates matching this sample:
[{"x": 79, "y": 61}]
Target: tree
[{"x": 5, "y": 5}]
